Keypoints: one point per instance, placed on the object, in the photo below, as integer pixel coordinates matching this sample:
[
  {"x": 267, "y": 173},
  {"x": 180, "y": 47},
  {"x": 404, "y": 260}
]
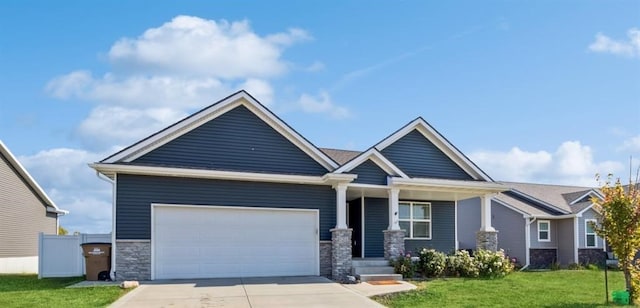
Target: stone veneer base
[
  {"x": 133, "y": 260},
  {"x": 340, "y": 254},
  {"x": 325, "y": 258},
  {"x": 487, "y": 240},
  {"x": 393, "y": 243}
]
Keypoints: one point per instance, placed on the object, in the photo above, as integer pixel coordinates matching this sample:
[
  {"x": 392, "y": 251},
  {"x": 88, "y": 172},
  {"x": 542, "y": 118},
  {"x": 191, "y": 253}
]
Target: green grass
[
  {"x": 29, "y": 291},
  {"x": 563, "y": 288}
]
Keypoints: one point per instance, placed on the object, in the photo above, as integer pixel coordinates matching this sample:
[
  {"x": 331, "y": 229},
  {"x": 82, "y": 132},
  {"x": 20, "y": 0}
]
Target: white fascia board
[
  {"x": 478, "y": 186},
  {"x": 375, "y": 157},
  {"x": 27, "y": 177},
  {"x": 509, "y": 206},
  {"x": 439, "y": 141},
  {"x": 210, "y": 174},
  {"x": 241, "y": 98},
  {"x": 551, "y": 217},
  {"x": 591, "y": 192}
]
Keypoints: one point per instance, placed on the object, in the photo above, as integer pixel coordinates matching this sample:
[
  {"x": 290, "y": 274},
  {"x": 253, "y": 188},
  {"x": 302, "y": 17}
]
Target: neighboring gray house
[
  {"x": 26, "y": 211},
  {"x": 233, "y": 191},
  {"x": 539, "y": 224}
]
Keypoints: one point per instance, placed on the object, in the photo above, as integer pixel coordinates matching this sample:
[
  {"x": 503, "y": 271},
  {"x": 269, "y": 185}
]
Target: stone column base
[
  {"x": 487, "y": 240},
  {"x": 133, "y": 260},
  {"x": 393, "y": 243},
  {"x": 340, "y": 254}
]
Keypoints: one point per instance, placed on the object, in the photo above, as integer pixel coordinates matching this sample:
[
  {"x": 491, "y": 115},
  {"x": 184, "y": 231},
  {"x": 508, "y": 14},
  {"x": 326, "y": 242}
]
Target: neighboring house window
[
  {"x": 415, "y": 219},
  {"x": 590, "y": 233},
  {"x": 544, "y": 231}
]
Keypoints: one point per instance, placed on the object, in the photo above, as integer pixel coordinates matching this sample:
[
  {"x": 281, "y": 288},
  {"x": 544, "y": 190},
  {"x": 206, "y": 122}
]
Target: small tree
[
  {"x": 620, "y": 225},
  {"x": 62, "y": 231}
]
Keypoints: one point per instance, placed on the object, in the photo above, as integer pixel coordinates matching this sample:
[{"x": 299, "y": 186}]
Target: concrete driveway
[{"x": 245, "y": 292}]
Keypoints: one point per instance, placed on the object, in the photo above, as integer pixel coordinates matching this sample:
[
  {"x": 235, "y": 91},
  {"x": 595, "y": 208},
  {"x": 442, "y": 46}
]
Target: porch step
[
  {"x": 372, "y": 270},
  {"x": 369, "y": 262},
  {"x": 378, "y": 277}
]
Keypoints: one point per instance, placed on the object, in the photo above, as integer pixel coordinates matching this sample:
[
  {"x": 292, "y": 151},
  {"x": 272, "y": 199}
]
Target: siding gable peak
[
  {"x": 377, "y": 158},
  {"x": 22, "y": 173},
  {"x": 214, "y": 111},
  {"x": 418, "y": 135}
]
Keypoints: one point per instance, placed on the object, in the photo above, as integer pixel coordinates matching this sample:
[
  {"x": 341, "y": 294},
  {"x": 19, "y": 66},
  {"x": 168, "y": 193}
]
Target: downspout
[
  {"x": 113, "y": 222},
  {"x": 527, "y": 234}
]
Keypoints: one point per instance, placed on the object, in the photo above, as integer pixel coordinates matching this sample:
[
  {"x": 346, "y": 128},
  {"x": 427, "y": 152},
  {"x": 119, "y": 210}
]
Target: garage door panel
[{"x": 208, "y": 242}]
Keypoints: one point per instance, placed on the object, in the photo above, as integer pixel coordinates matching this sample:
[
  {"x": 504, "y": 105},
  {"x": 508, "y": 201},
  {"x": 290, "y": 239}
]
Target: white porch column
[
  {"x": 341, "y": 206},
  {"x": 485, "y": 213},
  {"x": 394, "y": 223}
]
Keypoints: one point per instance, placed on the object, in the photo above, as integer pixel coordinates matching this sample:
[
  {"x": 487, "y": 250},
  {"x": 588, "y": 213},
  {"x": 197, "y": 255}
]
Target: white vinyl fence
[{"x": 61, "y": 255}]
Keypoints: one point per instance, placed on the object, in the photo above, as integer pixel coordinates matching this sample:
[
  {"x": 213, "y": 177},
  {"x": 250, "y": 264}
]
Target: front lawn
[
  {"x": 584, "y": 288},
  {"x": 29, "y": 291}
]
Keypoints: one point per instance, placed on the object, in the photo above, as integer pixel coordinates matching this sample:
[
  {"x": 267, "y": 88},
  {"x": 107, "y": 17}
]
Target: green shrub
[
  {"x": 492, "y": 264},
  {"x": 592, "y": 267},
  {"x": 461, "y": 264},
  {"x": 575, "y": 266},
  {"x": 555, "y": 266},
  {"x": 404, "y": 265},
  {"x": 432, "y": 263}
]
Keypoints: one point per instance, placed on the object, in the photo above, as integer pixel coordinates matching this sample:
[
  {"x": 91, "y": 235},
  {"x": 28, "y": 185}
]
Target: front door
[{"x": 355, "y": 223}]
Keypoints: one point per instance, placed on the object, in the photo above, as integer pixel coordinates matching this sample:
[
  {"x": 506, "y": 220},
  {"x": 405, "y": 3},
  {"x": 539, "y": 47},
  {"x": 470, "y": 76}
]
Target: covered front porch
[{"x": 404, "y": 216}]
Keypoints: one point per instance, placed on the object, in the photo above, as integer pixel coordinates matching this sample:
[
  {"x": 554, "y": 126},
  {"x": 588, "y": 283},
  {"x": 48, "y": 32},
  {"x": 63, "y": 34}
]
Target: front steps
[{"x": 375, "y": 269}]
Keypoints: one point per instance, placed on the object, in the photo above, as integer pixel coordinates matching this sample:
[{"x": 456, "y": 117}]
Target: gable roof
[
  {"x": 22, "y": 173},
  {"x": 211, "y": 112},
  {"x": 431, "y": 134},
  {"x": 547, "y": 199},
  {"x": 376, "y": 157}
]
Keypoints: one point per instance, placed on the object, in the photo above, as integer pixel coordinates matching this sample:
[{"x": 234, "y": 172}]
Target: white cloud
[
  {"x": 631, "y": 145},
  {"x": 322, "y": 104},
  {"x": 316, "y": 66},
  {"x": 115, "y": 125},
  {"x": 572, "y": 164},
  {"x": 170, "y": 71},
  {"x": 195, "y": 46},
  {"x": 63, "y": 173},
  {"x": 629, "y": 48}
]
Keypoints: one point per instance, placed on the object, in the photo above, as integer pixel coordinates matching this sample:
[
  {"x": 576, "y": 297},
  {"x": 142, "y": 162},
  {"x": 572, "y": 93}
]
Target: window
[
  {"x": 415, "y": 219},
  {"x": 544, "y": 231},
  {"x": 590, "y": 233}
]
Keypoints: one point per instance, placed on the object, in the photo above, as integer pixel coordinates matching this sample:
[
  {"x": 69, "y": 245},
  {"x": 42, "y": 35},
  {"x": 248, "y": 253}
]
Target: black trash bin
[{"x": 97, "y": 260}]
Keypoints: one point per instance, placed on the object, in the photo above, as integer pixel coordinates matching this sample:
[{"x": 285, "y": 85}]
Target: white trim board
[{"x": 377, "y": 158}]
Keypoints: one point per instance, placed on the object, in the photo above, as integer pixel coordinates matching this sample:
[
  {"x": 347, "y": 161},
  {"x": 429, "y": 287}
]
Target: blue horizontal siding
[
  {"x": 443, "y": 238},
  {"x": 369, "y": 173},
  {"x": 418, "y": 157},
  {"x": 134, "y": 195},
  {"x": 237, "y": 141},
  {"x": 376, "y": 220}
]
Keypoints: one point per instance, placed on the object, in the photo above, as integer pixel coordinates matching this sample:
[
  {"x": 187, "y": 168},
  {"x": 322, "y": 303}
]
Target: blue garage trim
[
  {"x": 135, "y": 194},
  {"x": 416, "y": 156},
  {"x": 236, "y": 141}
]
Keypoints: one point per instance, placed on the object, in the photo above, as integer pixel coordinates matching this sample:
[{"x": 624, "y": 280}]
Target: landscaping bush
[
  {"x": 461, "y": 264},
  {"x": 404, "y": 265},
  {"x": 431, "y": 263},
  {"x": 492, "y": 264},
  {"x": 575, "y": 267}
]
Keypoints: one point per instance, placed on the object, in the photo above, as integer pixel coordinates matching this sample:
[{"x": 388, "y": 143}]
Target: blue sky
[{"x": 541, "y": 91}]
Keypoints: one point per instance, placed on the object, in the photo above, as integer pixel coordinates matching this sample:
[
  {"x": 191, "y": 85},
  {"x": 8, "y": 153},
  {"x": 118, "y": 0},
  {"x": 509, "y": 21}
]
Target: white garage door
[{"x": 209, "y": 242}]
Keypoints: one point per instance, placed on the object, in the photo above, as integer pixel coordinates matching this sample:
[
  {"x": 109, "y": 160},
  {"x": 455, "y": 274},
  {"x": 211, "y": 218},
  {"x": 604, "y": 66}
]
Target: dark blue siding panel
[
  {"x": 418, "y": 157},
  {"x": 135, "y": 194},
  {"x": 376, "y": 220},
  {"x": 238, "y": 141},
  {"x": 369, "y": 173},
  {"x": 443, "y": 238}
]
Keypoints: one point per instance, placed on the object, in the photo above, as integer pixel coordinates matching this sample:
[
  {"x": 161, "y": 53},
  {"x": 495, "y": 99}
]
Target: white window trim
[
  {"x": 586, "y": 235},
  {"x": 411, "y": 220},
  {"x": 548, "y": 222}
]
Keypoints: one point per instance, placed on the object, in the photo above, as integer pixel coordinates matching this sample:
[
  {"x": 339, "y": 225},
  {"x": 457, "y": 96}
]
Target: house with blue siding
[
  {"x": 233, "y": 191},
  {"x": 540, "y": 224}
]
